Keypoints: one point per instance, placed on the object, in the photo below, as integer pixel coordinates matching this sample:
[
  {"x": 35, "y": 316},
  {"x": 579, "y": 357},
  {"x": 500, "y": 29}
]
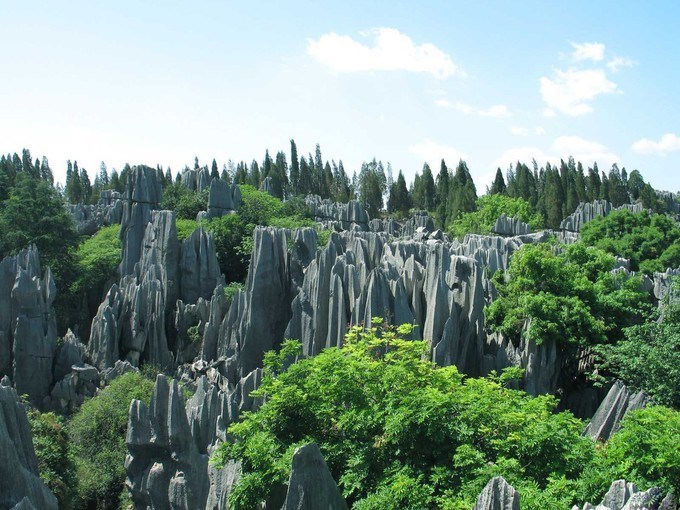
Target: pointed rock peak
[
  {"x": 311, "y": 485},
  {"x": 498, "y": 495}
]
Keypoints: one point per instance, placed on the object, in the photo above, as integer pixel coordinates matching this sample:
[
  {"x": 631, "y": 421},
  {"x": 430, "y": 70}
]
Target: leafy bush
[
  {"x": 489, "y": 209},
  {"x": 185, "y": 228},
  {"x": 97, "y": 259},
  {"x": 396, "y": 430},
  {"x": 97, "y": 432},
  {"x": 650, "y": 241},
  {"x": 185, "y": 202},
  {"x": 55, "y": 463}
]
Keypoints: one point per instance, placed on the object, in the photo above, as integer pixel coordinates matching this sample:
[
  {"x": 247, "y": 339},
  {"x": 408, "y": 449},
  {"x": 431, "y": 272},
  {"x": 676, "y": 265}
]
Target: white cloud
[
  {"x": 433, "y": 153},
  {"x": 392, "y": 51},
  {"x": 539, "y": 131},
  {"x": 617, "y": 62},
  {"x": 496, "y": 111},
  {"x": 570, "y": 91},
  {"x": 521, "y": 154},
  {"x": 588, "y": 51},
  {"x": 585, "y": 151},
  {"x": 519, "y": 131},
  {"x": 669, "y": 142}
]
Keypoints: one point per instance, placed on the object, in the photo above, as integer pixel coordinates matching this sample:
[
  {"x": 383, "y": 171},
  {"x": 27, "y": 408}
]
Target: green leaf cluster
[
  {"x": 185, "y": 202},
  {"x": 565, "y": 293},
  {"x": 650, "y": 241},
  {"x": 489, "y": 209},
  {"x": 396, "y": 430},
  {"x": 97, "y": 433},
  {"x": 97, "y": 259}
]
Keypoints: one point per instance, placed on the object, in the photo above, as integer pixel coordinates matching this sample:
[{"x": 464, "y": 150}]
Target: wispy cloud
[
  {"x": 588, "y": 51},
  {"x": 618, "y": 62},
  {"x": 571, "y": 91},
  {"x": 669, "y": 142},
  {"x": 497, "y": 110},
  {"x": 391, "y": 51}
]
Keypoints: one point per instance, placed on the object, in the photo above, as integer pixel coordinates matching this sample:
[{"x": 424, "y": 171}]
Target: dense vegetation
[{"x": 400, "y": 432}]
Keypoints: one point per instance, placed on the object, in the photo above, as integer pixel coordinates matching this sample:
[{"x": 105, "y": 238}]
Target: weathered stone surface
[
  {"x": 198, "y": 266},
  {"x": 349, "y": 216},
  {"x": 142, "y": 195},
  {"x": 169, "y": 444},
  {"x": 311, "y": 485},
  {"x": 223, "y": 199},
  {"x": 28, "y": 328},
  {"x": 618, "y": 402},
  {"x": 498, "y": 495},
  {"x": 587, "y": 211},
  {"x": 90, "y": 218},
  {"x": 267, "y": 186},
  {"x": 196, "y": 179},
  {"x": 626, "y": 496},
  {"x": 19, "y": 477},
  {"x": 505, "y": 226}
]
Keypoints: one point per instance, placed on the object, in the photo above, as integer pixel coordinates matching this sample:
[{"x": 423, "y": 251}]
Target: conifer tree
[
  {"x": 498, "y": 186},
  {"x": 214, "y": 172},
  {"x": 294, "y": 167}
]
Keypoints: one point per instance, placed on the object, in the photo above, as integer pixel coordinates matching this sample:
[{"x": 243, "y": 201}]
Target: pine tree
[
  {"x": 294, "y": 167},
  {"x": 254, "y": 175},
  {"x": 305, "y": 181},
  {"x": 498, "y": 186},
  {"x": 442, "y": 193},
  {"x": 266, "y": 165},
  {"x": 429, "y": 190},
  {"x": 214, "y": 172}
]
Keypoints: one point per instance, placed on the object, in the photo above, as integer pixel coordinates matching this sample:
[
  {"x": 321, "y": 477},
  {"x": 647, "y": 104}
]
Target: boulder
[
  {"x": 498, "y": 495},
  {"x": 618, "y": 402}
]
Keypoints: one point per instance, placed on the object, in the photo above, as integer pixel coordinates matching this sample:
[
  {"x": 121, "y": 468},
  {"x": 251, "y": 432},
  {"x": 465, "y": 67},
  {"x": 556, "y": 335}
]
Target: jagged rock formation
[
  {"x": 587, "y": 211},
  {"x": 196, "y": 179},
  {"x": 419, "y": 220},
  {"x": 505, "y": 226},
  {"x": 90, "y": 218},
  {"x": 20, "y": 483},
  {"x": 169, "y": 444},
  {"x": 662, "y": 283},
  {"x": 339, "y": 216},
  {"x": 267, "y": 186},
  {"x": 223, "y": 199},
  {"x": 311, "y": 485},
  {"x": 498, "y": 495},
  {"x": 28, "y": 328},
  {"x": 626, "y": 496},
  {"x": 142, "y": 195},
  {"x": 618, "y": 402},
  {"x": 136, "y": 319}
]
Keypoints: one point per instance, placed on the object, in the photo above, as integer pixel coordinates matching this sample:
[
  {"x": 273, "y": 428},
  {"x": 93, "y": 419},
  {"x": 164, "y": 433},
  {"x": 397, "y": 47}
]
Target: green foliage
[
  {"x": 398, "y": 431},
  {"x": 489, "y": 209},
  {"x": 258, "y": 207},
  {"x": 231, "y": 289},
  {"x": 97, "y": 432},
  {"x": 185, "y": 228},
  {"x": 650, "y": 241},
  {"x": 648, "y": 357},
  {"x": 55, "y": 463},
  {"x": 97, "y": 259},
  {"x": 185, "y": 202},
  {"x": 568, "y": 295},
  {"x": 230, "y": 233},
  {"x": 645, "y": 450}
]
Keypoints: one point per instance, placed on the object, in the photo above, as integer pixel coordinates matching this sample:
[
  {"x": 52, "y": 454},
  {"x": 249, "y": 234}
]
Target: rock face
[
  {"x": 28, "y": 328},
  {"x": 505, "y": 226},
  {"x": 618, "y": 402},
  {"x": 142, "y": 195},
  {"x": 498, "y": 495},
  {"x": 196, "y": 179},
  {"x": 169, "y": 444},
  {"x": 350, "y": 216},
  {"x": 311, "y": 485},
  {"x": 223, "y": 199},
  {"x": 90, "y": 218},
  {"x": 626, "y": 496},
  {"x": 586, "y": 212},
  {"x": 20, "y": 483},
  {"x": 267, "y": 186},
  {"x": 136, "y": 320}
]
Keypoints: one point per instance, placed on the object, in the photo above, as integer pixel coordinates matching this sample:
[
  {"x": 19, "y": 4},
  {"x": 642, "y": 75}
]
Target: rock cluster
[
  {"x": 28, "y": 328},
  {"x": 505, "y": 226},
  {"x": 498, "y": 495},
  {"x": 338, "y": 216},
  {"x": 196, "y": 179},
  {"x": 20, "y": 483},
  {"x": 136, "y": 320},
  {"x": 588, "y": 211},
  {"x": 170, "y": 443},
  {"x": 223, "y": 199},
  {"x": 618, "y": 402},
  {"x": 267, "y": 186},
  {"x": 626, "y": 496},
  {"x": 90, "y": 218}
]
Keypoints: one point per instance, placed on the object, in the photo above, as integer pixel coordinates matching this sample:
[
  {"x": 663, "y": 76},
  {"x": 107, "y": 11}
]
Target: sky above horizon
[{"x": 491, "y": 83}]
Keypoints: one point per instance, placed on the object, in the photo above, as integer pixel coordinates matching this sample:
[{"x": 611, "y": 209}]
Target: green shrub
[
  {"x": 97, "y": 433},
  {"x": 185, "y": 202},
  {"x": 97, "y": 259},
  {"x": 489, "y": 209},
  {"x": 51, "y": 443},
  {"x": 398, "y": 431},
  {"x": 185, "y": 228}
]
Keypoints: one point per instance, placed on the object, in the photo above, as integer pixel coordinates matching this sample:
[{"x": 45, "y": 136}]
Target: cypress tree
[{"x": 498, "y": 186}]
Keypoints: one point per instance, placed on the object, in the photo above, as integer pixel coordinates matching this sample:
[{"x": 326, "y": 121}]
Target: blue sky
[{"x": 405, "y": 82}]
